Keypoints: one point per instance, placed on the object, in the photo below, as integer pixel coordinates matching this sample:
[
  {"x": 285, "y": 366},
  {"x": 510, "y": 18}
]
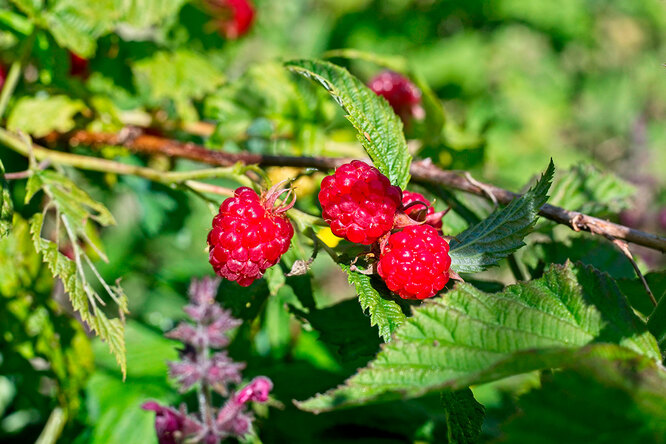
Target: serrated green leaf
[
  {"x": 464, "y": 416},
  {"x": 637, "y": 296},
  {"x": 468, "y": 337},
  {"x": 384, "y": 313},
  {"x": 586, "y": 189},
  {"x": 596, "y": 400},
  {"x": 39, "y": 116},
  {"x": 6, "y": 207},
  {"x": 380, "y": 130},
  {"x": 75, "y": 209},
  {"x": 502, "y": 233}
]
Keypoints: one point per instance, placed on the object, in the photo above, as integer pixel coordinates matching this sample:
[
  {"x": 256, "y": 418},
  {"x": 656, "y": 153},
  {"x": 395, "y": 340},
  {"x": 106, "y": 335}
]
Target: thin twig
[{"x": 422, "y": 172}]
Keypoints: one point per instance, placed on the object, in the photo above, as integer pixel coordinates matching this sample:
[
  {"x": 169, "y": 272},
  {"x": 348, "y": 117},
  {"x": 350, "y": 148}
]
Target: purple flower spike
[{"x": 200, "y": 366}]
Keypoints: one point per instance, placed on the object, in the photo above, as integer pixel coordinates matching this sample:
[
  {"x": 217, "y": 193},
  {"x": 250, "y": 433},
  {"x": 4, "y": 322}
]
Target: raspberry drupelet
[
  {"x": 359, "y": 202},
  {"x": 249, "y": 234},
  {"x": 415, "y": 262}
]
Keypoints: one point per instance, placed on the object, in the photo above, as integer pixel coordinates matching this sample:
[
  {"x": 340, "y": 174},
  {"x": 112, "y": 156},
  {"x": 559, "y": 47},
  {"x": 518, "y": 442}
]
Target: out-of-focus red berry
[
  {"x": 234, "y": 17},
  {"x": 78, "y": 66},
  {"x": 403, "y": 96}
]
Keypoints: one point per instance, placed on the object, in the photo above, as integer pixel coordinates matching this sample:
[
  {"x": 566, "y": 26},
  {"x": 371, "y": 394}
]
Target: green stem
[
  {"x": 173, "y": 178},
  {"x": 14, "y": 73},
  {"x": 53, "y": 428}
]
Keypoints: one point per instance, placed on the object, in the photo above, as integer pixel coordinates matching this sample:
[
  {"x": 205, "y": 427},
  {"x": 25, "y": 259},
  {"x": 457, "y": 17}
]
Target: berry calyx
[
  {"x": 359, "y": 202},
  {"x": 422, "y": 213},
  {"x": 415, "y": 262},
  {"x": 250, "y": 234},
  {"x": 403, "y": 96}
]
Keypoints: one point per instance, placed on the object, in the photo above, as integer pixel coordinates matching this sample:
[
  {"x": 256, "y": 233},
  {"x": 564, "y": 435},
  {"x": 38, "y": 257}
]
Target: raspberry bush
[{"x": 437, "y": 279}]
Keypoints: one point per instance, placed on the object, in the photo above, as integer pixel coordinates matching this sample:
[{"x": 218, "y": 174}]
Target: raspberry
[
  {"x": 249, "y": 234},
  {"x": 78, "y": 66},
  {"x": 237, "y": 16},
  {"x": 3, "y": 76},
  {"x": 403, "y": 96},
  {"x": 431, "y": 218},
  {"x": 415, "y": 262},
  {"x": 359, "y": 202}
]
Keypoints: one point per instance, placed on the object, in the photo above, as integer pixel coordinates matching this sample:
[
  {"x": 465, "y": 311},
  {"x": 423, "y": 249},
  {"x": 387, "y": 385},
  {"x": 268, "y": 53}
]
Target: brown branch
[{"x": 422, "y": 172}]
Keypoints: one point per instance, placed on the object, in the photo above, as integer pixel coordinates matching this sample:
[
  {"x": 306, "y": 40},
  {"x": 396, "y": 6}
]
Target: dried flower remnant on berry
[
  {"x": 359, "y": 202},
  {"x": 201, "y": 366},
  {"x": 415, "y": 262},
  {"x": 250, "y": 234}
]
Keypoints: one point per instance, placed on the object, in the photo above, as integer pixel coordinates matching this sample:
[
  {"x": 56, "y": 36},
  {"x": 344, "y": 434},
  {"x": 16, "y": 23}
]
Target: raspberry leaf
[
  {"x": 379, "y": 128},
  {"x": 384, "y": 313},
  {"x": 485, "y": 244},
  {"x": 464, "y": 416},
  {"x": 469, "y": 337},
  {"x": 56, "y": 113},
  {"x": 581, "y": 404},
  {"x": 586, "y": 189},
  {"x": 74, "y": 209},
  {"x": 77, "y": 24},
  {"x": 6, "y": 208}
]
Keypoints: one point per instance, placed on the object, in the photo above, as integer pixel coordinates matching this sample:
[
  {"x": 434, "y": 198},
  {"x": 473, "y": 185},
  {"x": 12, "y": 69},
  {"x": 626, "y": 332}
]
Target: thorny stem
[
  {"x": 423, "y": 172},
  {"x": 90, "y": 163}
]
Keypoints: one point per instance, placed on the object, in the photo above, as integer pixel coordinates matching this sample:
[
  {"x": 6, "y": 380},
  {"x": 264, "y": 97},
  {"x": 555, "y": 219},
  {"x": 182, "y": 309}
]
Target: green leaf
[
  {"x": 635, "y": 292},
  {"x": 77, "y": 24},
  {"x": 502, "y": 233},
  {"x": 657, "y": 321},
  {"x": 380, "y": 130},
  {"x": 596, "y": 400},
  {"x": 586, "y": 189},
  {"x": 384, "y": 313},
  {"x": 6, "y": 207},
  {"x": 75, "y": 209},
  {"x": 464, "y": 416},
  {"x": 55, "y": 113},
  {"x": 179, "y": 76},
  {"x": 468, "y": 337},
  {"x": 343, "y": 326}
]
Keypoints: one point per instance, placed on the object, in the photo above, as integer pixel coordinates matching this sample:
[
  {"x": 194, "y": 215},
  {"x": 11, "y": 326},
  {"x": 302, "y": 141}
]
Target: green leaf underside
[
  {"x": 384, "y": 313},
  {"x": 485, "y": 244},
  {"x": 6, "y": 208},
  {"x": 75, "y": 208},
  {"x": 379, "y": 128},
  {"x": 581, "y": 404},
  {"x": 464, "y": 416},
  {"x": 467, "y": 336}
]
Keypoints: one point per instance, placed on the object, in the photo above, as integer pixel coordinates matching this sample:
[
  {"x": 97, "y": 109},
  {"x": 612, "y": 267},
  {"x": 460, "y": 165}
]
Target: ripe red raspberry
[
  {"x": 359, "y": 202},
  {"x": 236, "y": 16},
  {"x": 249, "y": 234},
  {"x": 431, "y": 218},
  {"x": 415, "y": 262},
  {"x": 403, "y": 96},
  {"x": 3, "y": 76}
]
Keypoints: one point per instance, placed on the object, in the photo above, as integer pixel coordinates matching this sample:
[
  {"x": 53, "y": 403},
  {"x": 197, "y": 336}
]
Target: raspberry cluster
[
  {"x": 361, "y": 205},
  {"x": 250, "y": 234}
]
